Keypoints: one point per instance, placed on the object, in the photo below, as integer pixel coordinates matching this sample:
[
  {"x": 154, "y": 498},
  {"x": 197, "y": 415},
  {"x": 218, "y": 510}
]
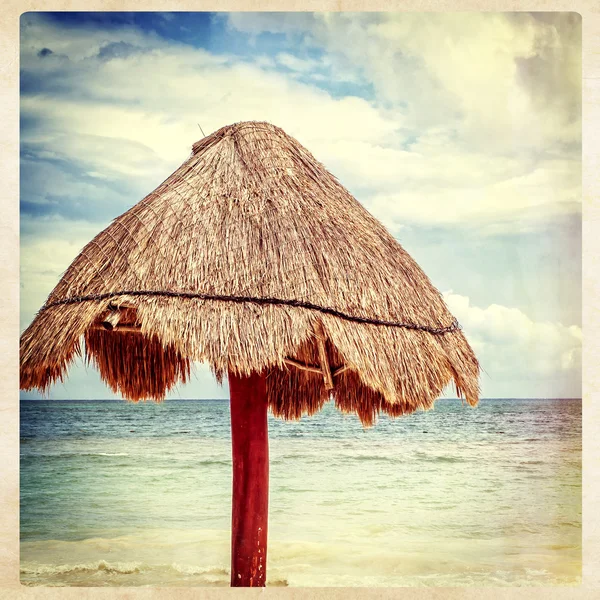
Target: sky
[{"x": 461, "y": 132}]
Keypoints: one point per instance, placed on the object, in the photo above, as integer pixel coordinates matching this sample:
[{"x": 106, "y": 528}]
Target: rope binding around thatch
[
  {"x": 261, "y": 301},
  {"x": 112, "y": 321}
]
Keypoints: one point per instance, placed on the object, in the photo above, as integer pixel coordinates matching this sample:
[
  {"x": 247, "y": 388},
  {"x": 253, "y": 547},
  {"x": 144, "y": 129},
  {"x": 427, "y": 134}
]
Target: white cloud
[
  {"x": 512, "y": 347},
  {"x": 296, "y": 64},
  {"x": 108, "y": 153},
  {"x": 140, "y": 116},
  {"x": 136, "y": 115},
  {"x": 490, "y": 104},
  {"x": 499, "y": 81},
  {"x": 157, "y": 99}
]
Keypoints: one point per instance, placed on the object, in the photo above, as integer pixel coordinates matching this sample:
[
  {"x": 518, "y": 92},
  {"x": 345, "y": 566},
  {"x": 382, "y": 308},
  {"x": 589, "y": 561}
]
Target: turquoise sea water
[{"x": 119, "y": 494}]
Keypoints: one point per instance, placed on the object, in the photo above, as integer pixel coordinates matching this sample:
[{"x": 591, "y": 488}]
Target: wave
[
  {"x": 390, "y": 458},
  {"x": 438, "y": 459},
  {"x": 370, "y": 458},
  {"x": 59, "y": 455},
  {"x": 66, "y": 575},
  {"x": 194, "y": 570},
  {"x": 194, "y": 464},
  {"x": 100, "y": 566},
  {"x": 106, "y": 454},
  {"x": 104, "y": 573},
  {"x": 120, "y": 568}
]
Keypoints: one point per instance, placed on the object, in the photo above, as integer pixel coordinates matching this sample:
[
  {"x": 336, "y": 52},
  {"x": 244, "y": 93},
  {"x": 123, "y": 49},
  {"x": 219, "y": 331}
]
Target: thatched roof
[{"x": 253, "y": 221}]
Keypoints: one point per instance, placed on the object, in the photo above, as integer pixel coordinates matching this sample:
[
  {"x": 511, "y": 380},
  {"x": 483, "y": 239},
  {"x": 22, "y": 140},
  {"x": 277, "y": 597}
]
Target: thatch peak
[
  {"x": 237, "y": 130},
  {"x": 230, "y": 261}
]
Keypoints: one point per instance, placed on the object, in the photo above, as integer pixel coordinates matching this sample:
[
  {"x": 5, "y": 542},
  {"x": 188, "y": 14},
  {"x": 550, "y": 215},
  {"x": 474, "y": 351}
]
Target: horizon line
[{"x": 227, "y": 399}]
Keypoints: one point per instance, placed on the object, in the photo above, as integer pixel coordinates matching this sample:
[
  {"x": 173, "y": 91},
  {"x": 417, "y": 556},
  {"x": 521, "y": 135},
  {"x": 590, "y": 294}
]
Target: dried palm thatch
[{"x": 252, "y": 257}]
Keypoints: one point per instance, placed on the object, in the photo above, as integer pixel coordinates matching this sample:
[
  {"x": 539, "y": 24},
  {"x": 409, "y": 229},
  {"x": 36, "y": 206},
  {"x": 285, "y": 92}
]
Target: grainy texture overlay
[{"x": 9, "y": 262}]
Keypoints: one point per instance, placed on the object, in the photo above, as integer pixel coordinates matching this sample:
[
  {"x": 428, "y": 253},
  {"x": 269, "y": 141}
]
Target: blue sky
[{"x": 460, "y": 132}]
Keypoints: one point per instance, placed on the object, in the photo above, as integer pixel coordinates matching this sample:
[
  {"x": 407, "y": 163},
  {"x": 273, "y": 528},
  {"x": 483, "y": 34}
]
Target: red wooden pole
[{"x": 250, "y": 497}]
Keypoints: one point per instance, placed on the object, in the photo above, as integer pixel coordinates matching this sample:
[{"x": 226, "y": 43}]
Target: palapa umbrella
[{"x": 252, "y": 257}]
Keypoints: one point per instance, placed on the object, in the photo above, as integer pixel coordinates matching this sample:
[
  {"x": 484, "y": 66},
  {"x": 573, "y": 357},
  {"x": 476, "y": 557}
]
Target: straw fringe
[
  {"x": 129, "y": 362},
  {"x": 252, "y": 213}
]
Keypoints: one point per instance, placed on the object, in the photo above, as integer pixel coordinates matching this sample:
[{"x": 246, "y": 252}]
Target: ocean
[{"x": 119, "y": 494}]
